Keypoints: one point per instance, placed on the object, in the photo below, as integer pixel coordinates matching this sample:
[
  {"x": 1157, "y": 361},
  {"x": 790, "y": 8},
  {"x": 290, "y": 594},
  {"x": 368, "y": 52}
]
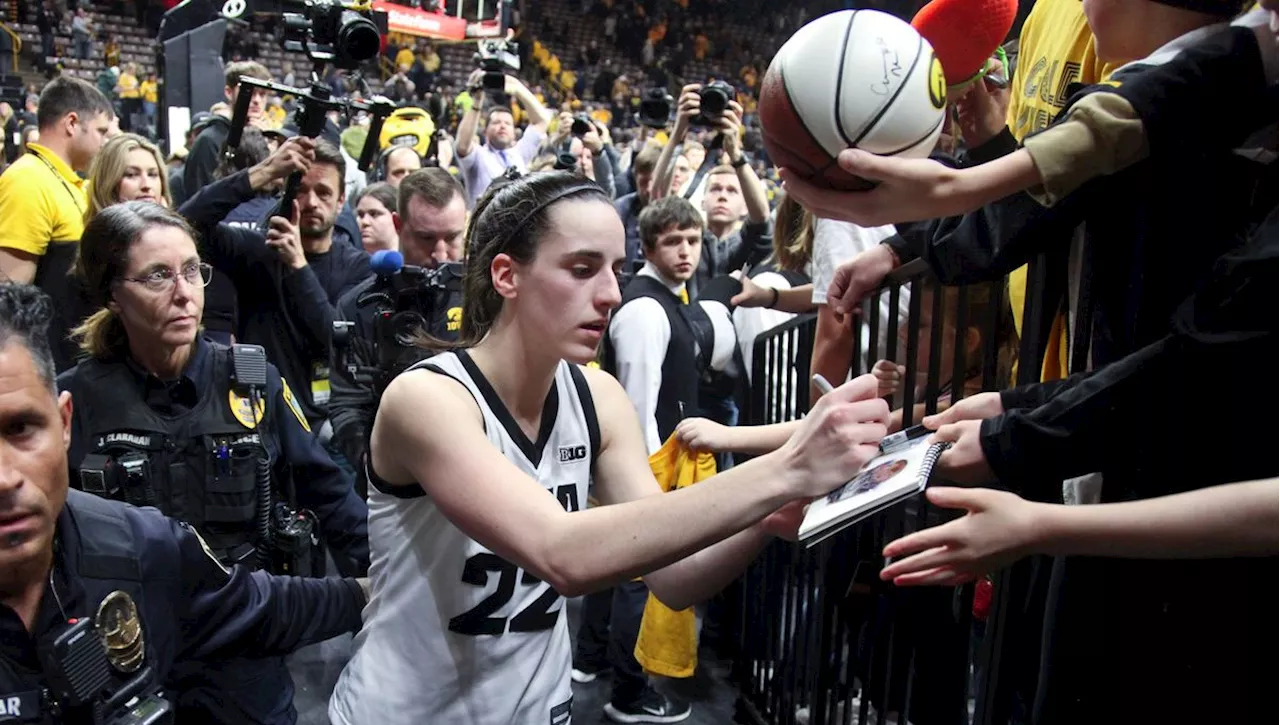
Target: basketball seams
[
  {"x": 916, "y": 142},
  {"x": 844, "y": 51},
  {"x": 795, "y": 113},
  {"x": 898, "y": 91}
]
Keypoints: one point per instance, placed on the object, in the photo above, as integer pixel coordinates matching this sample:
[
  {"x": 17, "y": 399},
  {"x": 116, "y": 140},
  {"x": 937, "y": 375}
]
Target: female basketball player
[{"x": 476, "y": 517}]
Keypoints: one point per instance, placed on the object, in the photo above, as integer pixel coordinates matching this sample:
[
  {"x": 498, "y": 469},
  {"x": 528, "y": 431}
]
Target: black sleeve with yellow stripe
[{"x": 1210, "y": 97}]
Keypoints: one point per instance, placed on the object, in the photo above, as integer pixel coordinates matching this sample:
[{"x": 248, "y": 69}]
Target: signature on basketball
[{"x": 891, "y": 66}]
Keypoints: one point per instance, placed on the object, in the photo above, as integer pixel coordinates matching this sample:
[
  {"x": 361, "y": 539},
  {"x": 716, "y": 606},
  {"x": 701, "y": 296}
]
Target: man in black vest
[
  {"x": 68, "y": 556},
  {"x": 659, "y": 347}
]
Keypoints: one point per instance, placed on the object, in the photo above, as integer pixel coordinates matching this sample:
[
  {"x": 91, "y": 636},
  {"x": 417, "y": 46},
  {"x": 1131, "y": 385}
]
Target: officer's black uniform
[
  {"x": 201, "y": 457},
  {"x": 193, "y": 611},
  {"x": 353, "y": 404}
]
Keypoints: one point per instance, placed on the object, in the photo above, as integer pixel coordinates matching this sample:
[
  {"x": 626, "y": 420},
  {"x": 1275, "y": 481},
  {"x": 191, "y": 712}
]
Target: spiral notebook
[{"x": 901, "y": 471}]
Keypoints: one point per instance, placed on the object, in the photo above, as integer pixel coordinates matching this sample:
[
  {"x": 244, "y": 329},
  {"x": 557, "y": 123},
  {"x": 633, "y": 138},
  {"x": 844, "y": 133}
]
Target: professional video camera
[
  {"x": 405, "y": 299},
  {"x": 496, "y": 58},
  {"x": 345, "y": 34},
  {"x": 655, "y": 108},
  {"x": 97, "y": 669}
]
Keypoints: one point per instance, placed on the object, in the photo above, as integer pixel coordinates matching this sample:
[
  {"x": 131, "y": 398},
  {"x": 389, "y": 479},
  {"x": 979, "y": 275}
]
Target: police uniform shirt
[
  {"x": 454, "y": 633},
  {"x": 640, "y": 333},
  {"x": 190, "y": 606},
  {"x": 319, "y": 484}
]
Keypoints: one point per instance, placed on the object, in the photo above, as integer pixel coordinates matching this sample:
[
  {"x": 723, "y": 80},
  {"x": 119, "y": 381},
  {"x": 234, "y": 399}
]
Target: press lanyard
[{"x": 75, "y": 198}]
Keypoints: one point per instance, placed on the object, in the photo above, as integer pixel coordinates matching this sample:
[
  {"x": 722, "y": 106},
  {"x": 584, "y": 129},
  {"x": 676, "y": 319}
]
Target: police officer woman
[
  {"x": 68, "y": 555},
  {"x": 159, "y": 421}
]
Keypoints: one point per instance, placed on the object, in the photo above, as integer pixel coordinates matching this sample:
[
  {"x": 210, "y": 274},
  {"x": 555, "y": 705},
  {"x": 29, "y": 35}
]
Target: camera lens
[
  {"x": 713, "y": 100},
  {"x": 581, "y": 126},
  {"x": 358, "y": 38}
]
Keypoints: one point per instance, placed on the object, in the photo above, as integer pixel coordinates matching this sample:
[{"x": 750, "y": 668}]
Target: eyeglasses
[{"x": 165, "y": 278}]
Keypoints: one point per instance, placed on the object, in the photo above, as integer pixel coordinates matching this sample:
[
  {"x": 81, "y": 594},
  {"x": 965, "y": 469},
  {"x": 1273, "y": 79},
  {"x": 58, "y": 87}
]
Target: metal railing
[{"x": 821, "y": 639}]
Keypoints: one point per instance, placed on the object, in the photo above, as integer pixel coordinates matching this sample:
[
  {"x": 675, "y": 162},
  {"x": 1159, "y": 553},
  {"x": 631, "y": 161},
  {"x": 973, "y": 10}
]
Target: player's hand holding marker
[{"x": 839, "y": 436}]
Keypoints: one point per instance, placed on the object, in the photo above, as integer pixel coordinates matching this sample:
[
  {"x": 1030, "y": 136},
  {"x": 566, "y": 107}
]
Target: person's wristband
[
  {"x": 773, "y": 303},
  {"x": 739, "y": 162}
]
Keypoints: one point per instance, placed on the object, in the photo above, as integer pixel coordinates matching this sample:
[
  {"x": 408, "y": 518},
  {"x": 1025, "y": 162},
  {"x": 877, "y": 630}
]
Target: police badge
[{"x": 120, "y": 630}]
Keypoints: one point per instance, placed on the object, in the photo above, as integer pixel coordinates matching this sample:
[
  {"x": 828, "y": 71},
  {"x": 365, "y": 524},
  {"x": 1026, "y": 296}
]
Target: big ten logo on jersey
[
  {"x": 1045, "y": 91},
  {"x": 568, "y": 454},
  {"x": 494, "y": 615}
]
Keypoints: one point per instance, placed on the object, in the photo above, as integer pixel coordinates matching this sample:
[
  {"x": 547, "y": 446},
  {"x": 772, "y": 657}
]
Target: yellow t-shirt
[
  {"x": 150, "y": 92},
  {"x": 128, "y": 84},
  {"x": 1055, "y": 49},
  {"x": 404, "y": 57},
  {"x": 42, "y": 201}
]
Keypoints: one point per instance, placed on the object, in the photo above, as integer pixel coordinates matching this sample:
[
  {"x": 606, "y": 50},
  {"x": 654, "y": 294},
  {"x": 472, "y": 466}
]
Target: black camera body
[
  {"x": 713, "y": 101},
  {"x": 330, "y": 31},
  {"x": 581, "y": 125},
  {"x": 655, "y": 108},
  {"x": 83, "y": 682},
  {"x": 497, "y": 58},
  {"x": 404, "y": 302}
]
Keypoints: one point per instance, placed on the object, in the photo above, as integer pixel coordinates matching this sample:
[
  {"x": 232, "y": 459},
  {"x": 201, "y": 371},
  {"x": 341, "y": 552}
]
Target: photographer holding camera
[
  {"x": 431, "y": 221},
  {"x": 738, "y": 231},
  {"x": 481, "y": 164},
  {"x": 588, "y": 142}
]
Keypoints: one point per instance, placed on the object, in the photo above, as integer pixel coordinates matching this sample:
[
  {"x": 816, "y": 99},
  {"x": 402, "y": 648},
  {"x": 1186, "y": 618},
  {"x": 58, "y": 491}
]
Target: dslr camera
[
  {"x": 581, "y": 125},
  {"x": 332, "y": 31},
  {"x": 496, "y": 58},
  {"x": 655, "y": 108},
  {"x": 713, "y": 101}
]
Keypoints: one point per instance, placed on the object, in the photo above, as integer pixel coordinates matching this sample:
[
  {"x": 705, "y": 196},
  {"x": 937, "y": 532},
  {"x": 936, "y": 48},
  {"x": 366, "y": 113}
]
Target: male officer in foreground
[{"x": 63, "y": 553}]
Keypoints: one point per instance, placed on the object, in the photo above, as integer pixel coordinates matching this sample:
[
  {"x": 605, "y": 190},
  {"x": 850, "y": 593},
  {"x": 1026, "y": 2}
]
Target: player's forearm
[
  {"x": 1237, "y": 519},
  {"x": 697, "y": 578},
  {"x": 605, "y": 545}
]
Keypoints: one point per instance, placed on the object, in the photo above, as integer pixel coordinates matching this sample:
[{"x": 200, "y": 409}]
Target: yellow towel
[{"x": 668, "y": 641}]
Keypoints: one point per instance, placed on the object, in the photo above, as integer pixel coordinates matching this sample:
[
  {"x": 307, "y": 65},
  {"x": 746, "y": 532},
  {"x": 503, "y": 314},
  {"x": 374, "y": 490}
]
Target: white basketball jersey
[{"x": 452, "y": 632}]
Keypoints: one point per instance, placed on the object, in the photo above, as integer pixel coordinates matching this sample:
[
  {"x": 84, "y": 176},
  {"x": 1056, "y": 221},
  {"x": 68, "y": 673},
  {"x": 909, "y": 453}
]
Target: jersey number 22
[{"x": 536, "y": 617}]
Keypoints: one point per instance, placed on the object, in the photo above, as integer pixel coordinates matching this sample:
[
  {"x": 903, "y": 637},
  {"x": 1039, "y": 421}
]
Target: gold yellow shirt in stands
[{"x": 1055, "y": 50}]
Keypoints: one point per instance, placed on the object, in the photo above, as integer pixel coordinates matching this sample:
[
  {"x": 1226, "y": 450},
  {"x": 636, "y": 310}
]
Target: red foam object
[{"x": 965, "y": 33}]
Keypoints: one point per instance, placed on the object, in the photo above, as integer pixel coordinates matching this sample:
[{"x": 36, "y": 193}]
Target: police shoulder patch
[
  {"x": 203, "y": 545},
  {"x": 292, "y": 402}
]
